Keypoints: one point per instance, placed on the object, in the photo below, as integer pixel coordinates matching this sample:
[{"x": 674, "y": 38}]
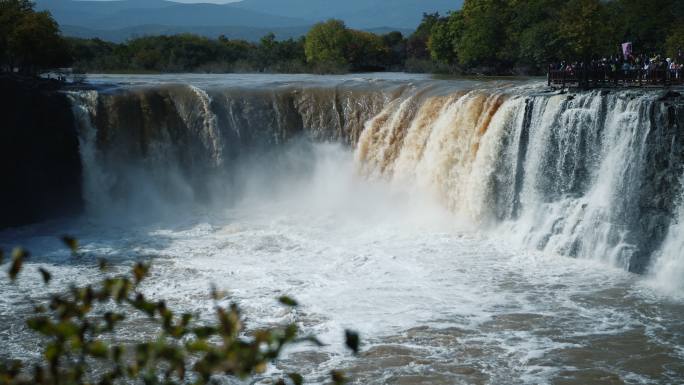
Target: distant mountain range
[
  {"x": 248, "y": 19},
  {"x": 356, "y": 13}
]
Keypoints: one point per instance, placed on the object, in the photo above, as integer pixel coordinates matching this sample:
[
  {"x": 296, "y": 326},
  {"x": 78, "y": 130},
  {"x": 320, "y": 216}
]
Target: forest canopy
[
  {"x": 506, "y": 36},
  {"x": 484, "y": 37},
  {"x": 328, "y": 47}
]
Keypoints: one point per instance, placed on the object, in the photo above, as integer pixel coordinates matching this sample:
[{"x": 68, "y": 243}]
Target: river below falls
[{"x": 435, "y": 301}]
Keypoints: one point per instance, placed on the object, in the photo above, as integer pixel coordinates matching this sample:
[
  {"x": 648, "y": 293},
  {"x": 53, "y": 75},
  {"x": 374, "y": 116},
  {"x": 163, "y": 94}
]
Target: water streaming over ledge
[
  {"x": 590, "y": 175},
  {"x": 593, "y": 175}
]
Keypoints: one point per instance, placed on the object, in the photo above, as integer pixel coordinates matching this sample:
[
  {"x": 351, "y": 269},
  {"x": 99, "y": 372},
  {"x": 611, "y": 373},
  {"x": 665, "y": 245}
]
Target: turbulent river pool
[{"x": 437, "y": 296}]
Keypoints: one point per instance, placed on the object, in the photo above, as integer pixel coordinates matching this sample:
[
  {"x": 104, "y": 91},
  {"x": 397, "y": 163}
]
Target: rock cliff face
[
  {"x": 40, "y": 165},
  {"x": 660, "y": 188}
]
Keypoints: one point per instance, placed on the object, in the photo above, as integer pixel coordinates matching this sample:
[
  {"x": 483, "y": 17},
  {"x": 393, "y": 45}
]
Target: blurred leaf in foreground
[
  {"x": 18, "y": 257},
  {"x": 287, "y": 301},
  {"x": 71, "y": 243},
  {"x": 338, "y": 377},
  {"x": 82, "y": 331},
  {"x": 352, "y": 340},
  {"x": 46, "y": 275}
]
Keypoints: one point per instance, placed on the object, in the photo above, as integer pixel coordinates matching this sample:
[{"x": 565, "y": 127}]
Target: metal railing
[{"x": 605, "y": 77}]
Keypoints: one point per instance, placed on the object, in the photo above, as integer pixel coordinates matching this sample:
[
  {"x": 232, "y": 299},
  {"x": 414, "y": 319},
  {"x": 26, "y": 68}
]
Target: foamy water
[
  {"x": 434, "y": 217},
  {"x": 436, "y": 300}
]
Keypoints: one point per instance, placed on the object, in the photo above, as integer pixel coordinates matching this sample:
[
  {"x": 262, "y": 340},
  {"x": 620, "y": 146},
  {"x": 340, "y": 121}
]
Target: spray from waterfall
[
  {"x": 588, "y": 175},
  {"x": 569, "y": 175},
  {"x": 668, "y": 268},
  {"x": 95, "y": 181}
]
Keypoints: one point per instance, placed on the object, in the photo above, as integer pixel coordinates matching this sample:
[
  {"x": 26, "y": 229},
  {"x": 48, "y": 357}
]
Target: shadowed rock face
[
  {"x": 660, "y": 188},
  {"x": 40, "y": 163}
]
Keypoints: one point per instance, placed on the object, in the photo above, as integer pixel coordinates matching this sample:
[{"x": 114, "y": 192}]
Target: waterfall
[
  {"x": 588, "y": 175},
  {"x": 165, "y": 148},
  {"x": 668, "y": 267},
  {"x": 200, "y": 113},
  {"x": 581, "y": 178},
  {"x": 591, "y": 175},
  {"x": 95, "y": 180}
]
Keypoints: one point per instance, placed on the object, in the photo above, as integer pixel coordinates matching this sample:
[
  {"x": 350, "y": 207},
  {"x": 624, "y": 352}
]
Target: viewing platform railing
[{"x": 590, "y": 78}]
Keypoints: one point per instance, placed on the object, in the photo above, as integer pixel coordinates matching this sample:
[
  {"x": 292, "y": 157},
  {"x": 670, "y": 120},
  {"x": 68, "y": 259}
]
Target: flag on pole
[{"x": 627, "y": 50}]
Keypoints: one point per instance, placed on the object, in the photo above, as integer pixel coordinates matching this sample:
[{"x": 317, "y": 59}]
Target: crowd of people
[{"x": 624, "y": 67}]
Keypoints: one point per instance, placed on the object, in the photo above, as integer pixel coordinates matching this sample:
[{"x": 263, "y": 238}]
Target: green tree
[
  {"x": 267, "y": 50},
  {"x": 584, "y": 28},
  {"x": 540, "y": 44},
  {"x": 483, "y": 34},
  {"x": 533, "y": 38},
  {"x": 395, "y": 44},
  {"x": 443, "y": 41},
  {"x": 675, "y": 43},
  {"x": 11, "y": 13},
  {"x": 233, "y": 50},
  {"x": 364, "y": 50},
  {"x": 326, "y": 43},
  {"x": 417, "y": 44},
  {"x": 36, "y": 43},
  {"x": 646, "y": 24},
  {"x": 30, "y": 40}
]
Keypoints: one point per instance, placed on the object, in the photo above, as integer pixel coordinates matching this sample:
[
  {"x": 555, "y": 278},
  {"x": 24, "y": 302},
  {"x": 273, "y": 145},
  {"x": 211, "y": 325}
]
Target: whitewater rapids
[{"x": 473, "y": 233}]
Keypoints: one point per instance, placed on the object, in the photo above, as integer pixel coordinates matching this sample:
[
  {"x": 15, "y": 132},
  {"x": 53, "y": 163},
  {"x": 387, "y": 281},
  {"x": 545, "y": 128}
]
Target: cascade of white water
[
  {"x": 479, "y": 201},
  {"x": 208, "y": 130},
  {"x": 565, "y": 174},
  {"x": 668, "y": 268},
  {"x": 585, "y": 158},
  {"x": 96, "y": 182},
  {"x": 559, "y": 173}
]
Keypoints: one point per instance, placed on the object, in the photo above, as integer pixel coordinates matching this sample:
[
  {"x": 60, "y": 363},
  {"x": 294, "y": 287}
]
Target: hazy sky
[{"x": 195, "y": 1}]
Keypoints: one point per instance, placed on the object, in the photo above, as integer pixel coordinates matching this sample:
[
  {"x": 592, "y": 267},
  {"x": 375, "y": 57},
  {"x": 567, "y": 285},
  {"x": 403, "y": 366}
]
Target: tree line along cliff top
[{"x": 490, "y": 37}]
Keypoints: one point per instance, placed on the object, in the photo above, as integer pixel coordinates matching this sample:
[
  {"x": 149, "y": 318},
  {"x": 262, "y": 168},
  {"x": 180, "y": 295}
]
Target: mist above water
[{"x": 436, "y": 218}]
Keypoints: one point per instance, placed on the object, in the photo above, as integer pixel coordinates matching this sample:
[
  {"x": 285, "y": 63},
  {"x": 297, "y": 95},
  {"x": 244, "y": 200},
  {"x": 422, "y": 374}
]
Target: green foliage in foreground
[{"x": 78, "y": 326}]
